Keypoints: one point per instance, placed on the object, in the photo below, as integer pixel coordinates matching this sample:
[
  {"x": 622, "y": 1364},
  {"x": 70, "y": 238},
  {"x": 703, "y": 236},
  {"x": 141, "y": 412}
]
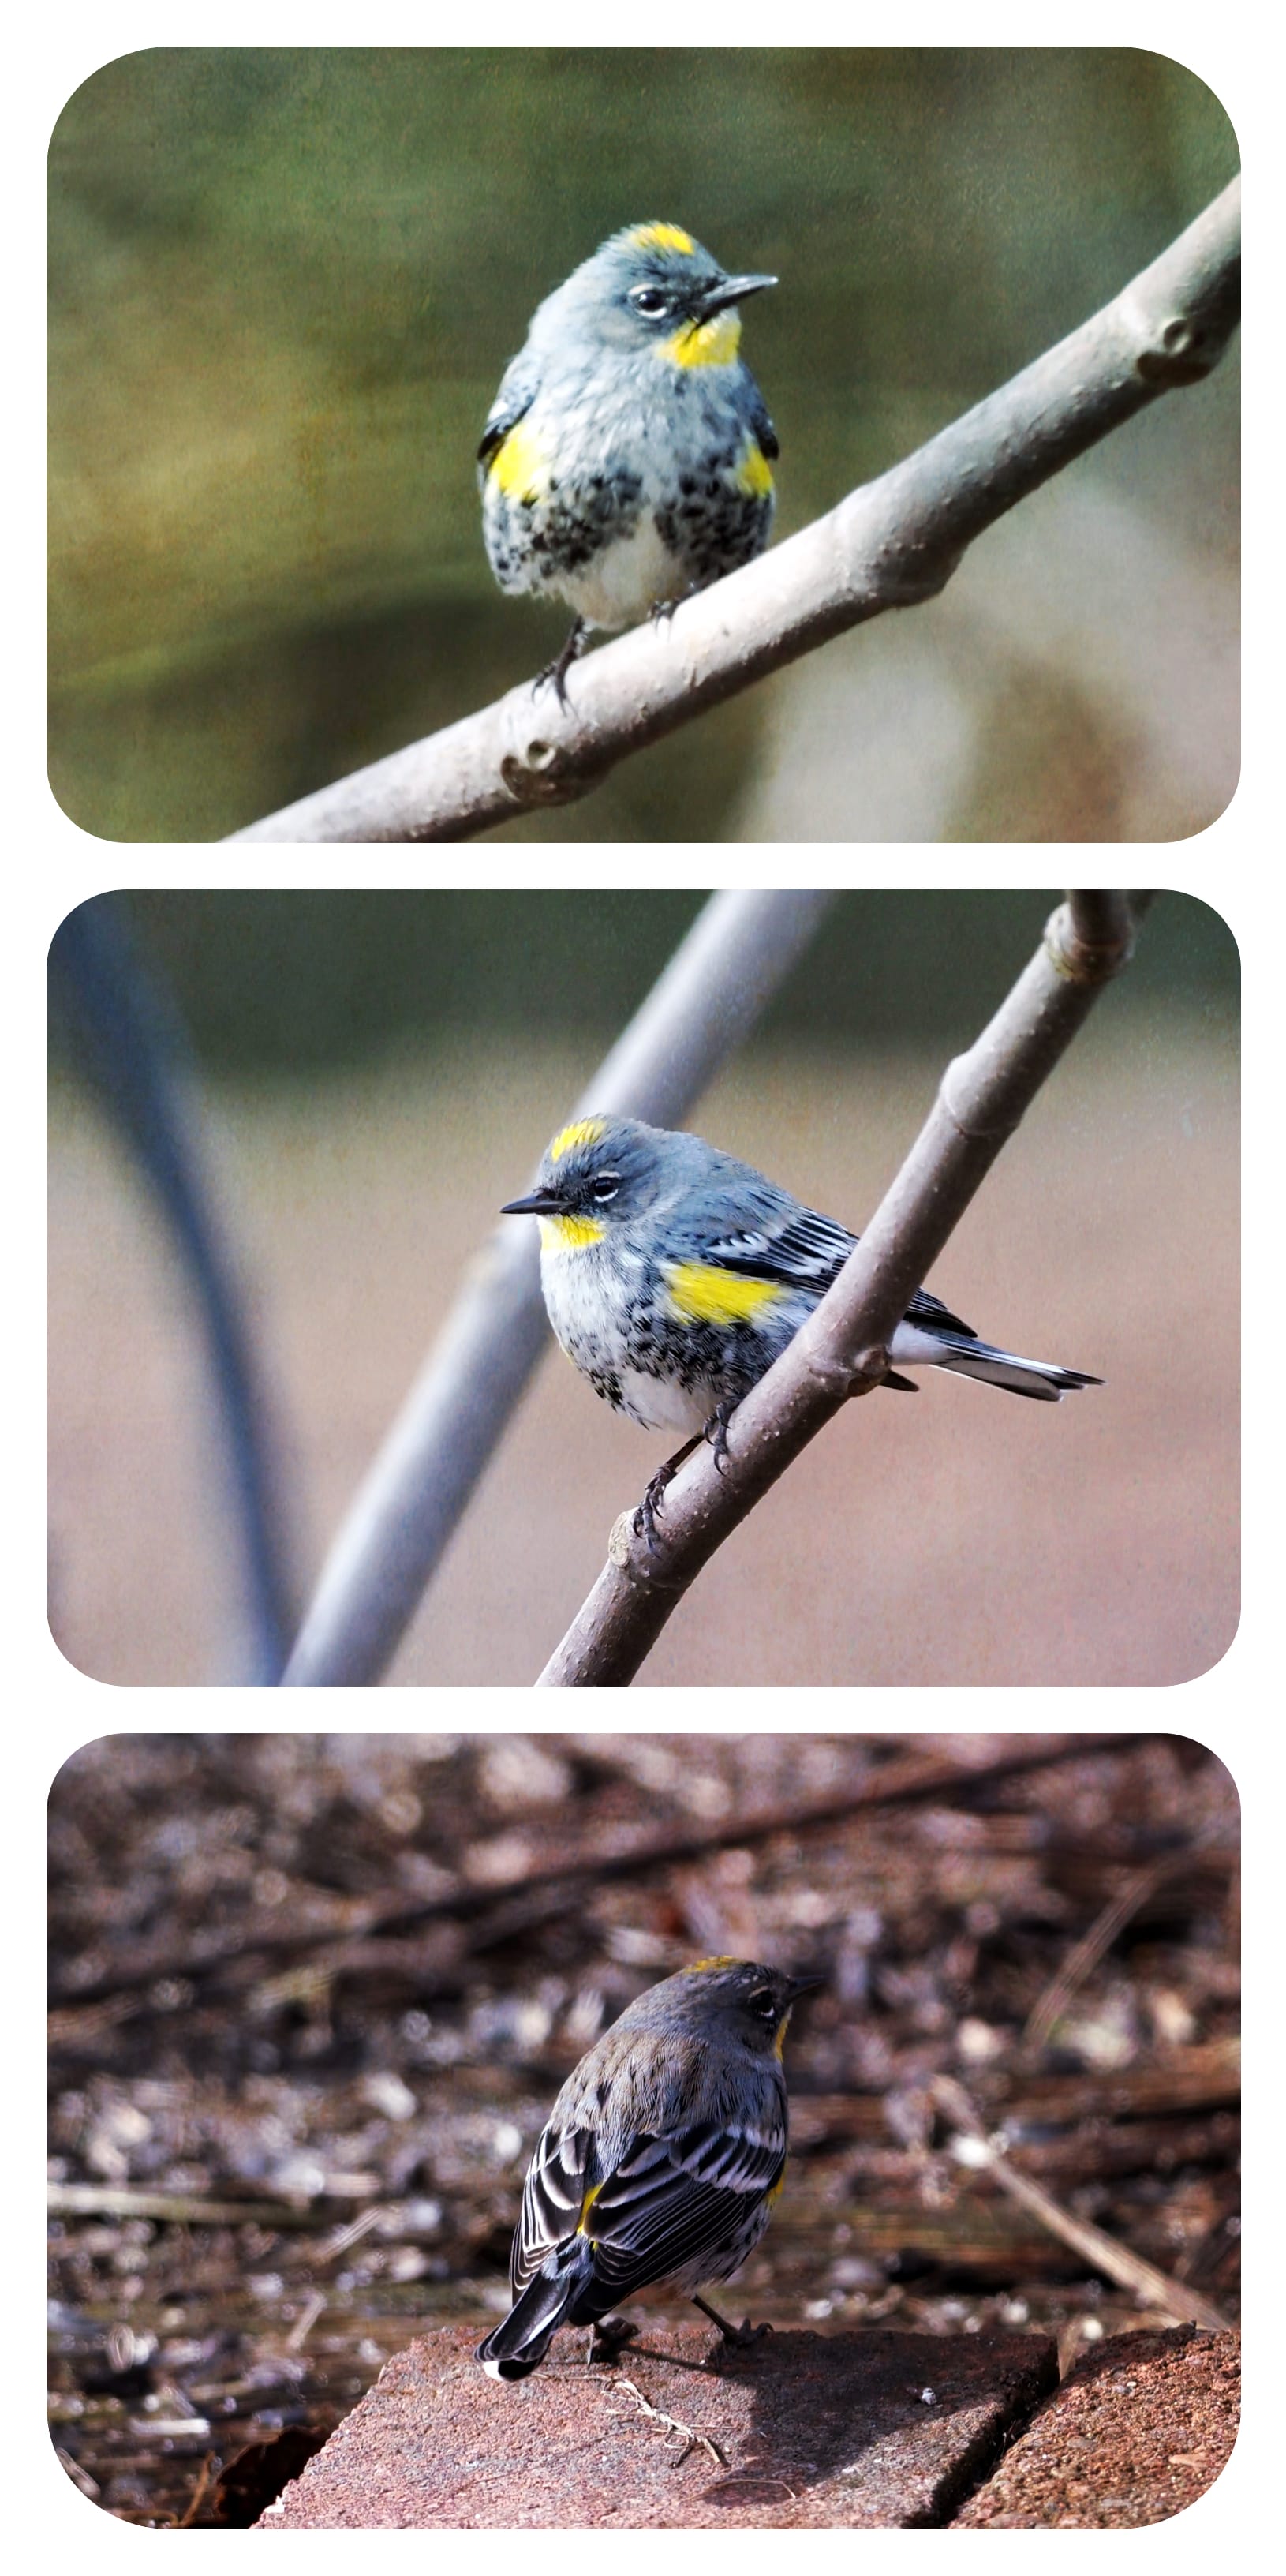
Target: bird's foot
[
  {"x": 555, "y": 672},
  {"x": 740, "y": 2335},
  {"x": 608, "y": 2336},
  {"x": 645, "y": 1518},
  {"x": 716, "y": 1431}
]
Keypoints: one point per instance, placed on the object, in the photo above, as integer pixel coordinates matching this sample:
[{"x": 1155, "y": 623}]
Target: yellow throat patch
[
  {"x": 569, "y": 1233},
  {"x": 705, "y": 344}
]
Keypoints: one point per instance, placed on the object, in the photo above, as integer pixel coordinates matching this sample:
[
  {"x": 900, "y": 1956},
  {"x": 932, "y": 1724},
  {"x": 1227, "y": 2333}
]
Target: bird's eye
[
  {"x": 650, "y": 300},
  {"x": 603, "y": 1187},
  {"x": 763, "y": 2004}
]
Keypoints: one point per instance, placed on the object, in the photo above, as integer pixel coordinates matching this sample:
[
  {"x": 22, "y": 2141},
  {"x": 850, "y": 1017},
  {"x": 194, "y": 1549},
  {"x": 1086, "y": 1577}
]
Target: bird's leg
[
  {"x": 645, "y": 1516},
  {"x": 558, "y": 669},
  {"x": 743, "y": 2334},
  {"x": 612, "y": 2334},
  {"x": 716, "y": 1430}
]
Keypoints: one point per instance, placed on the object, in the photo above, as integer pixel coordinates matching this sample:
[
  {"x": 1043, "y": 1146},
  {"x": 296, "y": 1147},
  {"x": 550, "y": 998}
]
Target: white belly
[
  {"x": 661, "y": 1405},
  {"x": 626, "y": 578}
]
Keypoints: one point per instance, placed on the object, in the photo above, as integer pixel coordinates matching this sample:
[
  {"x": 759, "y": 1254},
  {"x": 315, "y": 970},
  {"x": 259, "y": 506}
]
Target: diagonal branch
[
  {"x": 736, "y": 956},
  {"x": 841, "y": 1350},
  {"x": 892, "y": 543},
  {"x": 972, "y": 2148}
]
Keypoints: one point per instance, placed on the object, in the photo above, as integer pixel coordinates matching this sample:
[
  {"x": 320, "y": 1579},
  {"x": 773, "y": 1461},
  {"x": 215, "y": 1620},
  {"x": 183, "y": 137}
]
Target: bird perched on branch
[
  {"x": 627, "y": 458},
  {"x": 675, "y": 1275},
  {"x": 660, "y": 2161}
]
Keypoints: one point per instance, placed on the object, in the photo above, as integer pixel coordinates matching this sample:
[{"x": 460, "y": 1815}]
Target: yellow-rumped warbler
[
  {"x": 660, "y": 2160},
  {"x": 675, "y": 1275},
  {"x": 627, "y": 458}
]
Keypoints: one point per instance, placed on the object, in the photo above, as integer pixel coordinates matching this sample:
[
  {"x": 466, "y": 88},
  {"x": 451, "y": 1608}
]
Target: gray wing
[
  {"x": 666, "y": 2203},
  {"x": 797, "y": 1248}
]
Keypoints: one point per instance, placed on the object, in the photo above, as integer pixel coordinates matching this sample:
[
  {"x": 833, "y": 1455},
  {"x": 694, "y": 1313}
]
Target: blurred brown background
[
  {"x": 285, "y": 282},
  {"x": 313, "y": 1996},
  {"x": 381, "y": 1072}
]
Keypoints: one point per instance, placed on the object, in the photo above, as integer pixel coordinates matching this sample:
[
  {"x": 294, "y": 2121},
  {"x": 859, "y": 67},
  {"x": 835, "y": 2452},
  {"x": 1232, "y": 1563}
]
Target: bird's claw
[
  {"x": 716, "y": 1432},
  {"x": 555, "y": 672}
]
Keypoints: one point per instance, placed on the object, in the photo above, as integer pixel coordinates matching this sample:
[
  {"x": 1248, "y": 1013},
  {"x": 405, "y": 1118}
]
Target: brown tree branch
[{"x": 888, "y": 545}]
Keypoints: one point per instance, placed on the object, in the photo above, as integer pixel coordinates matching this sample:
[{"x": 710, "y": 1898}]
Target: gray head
[
  {"x": 651, "y": 286},
  {"x": 605, "y": 1171},
  {"x": 735, "y": 1999}
]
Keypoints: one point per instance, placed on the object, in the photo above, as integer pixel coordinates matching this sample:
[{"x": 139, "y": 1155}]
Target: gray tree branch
[
  {"x": 738, "y": 952},
  {"x": 841, "y": 1350},
  {"x": 891, "y": 543}
]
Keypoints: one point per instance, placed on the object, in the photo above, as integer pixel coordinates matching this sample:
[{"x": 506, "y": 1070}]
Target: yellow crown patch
[
  {"x": 663, "y": 237},
  {"x": 585, "y": 1131}
]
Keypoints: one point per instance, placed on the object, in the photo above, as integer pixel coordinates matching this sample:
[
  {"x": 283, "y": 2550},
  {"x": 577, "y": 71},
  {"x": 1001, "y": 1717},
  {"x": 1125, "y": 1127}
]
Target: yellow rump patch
[
  {"x": 586, "y": 1131},
  {"x": 519, "y": 465},
  {"x": 586, "y": 2206},
  {"x": 663, "y": 237},
  {"x": 569, "y": 1233},
  {"x": 707, "y": 1295},
  {"x": 753, "y": 474},
  {"x": 705, "y": 344}
]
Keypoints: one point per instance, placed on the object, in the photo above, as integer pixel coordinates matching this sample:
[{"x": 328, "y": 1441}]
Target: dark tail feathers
[{"x": 520, "y": 2343}]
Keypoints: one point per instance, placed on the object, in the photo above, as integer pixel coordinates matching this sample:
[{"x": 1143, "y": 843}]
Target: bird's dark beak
[
  {"x": 537, "y": 1203},
  {"x": 731, "y": 290},
  {"x": 803, "y": 1986}
]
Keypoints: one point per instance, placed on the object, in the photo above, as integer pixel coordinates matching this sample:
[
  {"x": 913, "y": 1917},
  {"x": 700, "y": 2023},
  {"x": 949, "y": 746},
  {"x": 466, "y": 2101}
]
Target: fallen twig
[
  {"x": 1081, "y": 1961},
  {"x": 972, "y": 2148},
  {"x": 694, "y": 2441}
]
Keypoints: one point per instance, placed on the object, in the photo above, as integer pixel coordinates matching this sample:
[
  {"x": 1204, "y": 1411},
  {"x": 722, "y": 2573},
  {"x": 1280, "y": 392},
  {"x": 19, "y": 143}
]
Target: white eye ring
[
  {"x": 648, "y": 300},
  {"x": 603, "y": 1187}
]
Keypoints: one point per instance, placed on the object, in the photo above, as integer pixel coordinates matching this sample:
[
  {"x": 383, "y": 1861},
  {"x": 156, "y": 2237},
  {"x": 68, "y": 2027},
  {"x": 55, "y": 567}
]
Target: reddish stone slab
[
  {"x": 1139, "y": 2429},
  {"x": 797, "y": 2432}
]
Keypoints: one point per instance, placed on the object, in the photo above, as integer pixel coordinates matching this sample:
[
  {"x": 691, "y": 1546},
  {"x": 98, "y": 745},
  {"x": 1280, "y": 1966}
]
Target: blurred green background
[
  {"x": 285, "y": 283},
  {"x": 293, "y": 985}
]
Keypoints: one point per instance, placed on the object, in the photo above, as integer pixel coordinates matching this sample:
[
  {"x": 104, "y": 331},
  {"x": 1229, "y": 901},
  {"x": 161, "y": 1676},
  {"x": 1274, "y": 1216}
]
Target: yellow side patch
[
  {"x": 753, "y": 475},
  {"x": 519, "y": 465},
  {"x": 663, "y": 237},
  {"x": 569, "y": 1233},
  {"x": 705, "y": 344},
  {"x": 586, "y": 1131},
  {"x": 706, "y": 1295}
]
